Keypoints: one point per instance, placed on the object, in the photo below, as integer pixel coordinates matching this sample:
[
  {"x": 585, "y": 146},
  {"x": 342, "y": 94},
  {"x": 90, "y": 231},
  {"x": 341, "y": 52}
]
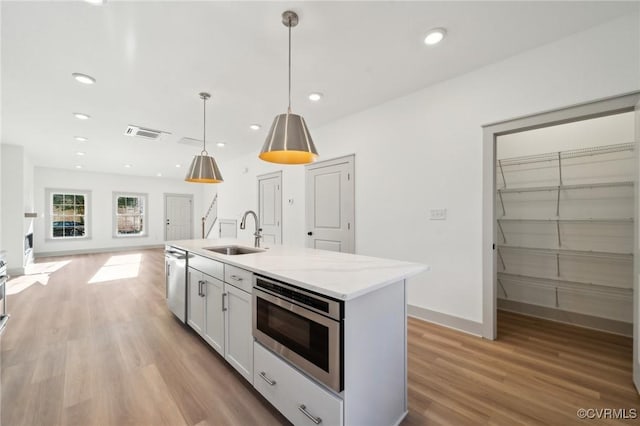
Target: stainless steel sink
[{"x": 234, "y": 250}]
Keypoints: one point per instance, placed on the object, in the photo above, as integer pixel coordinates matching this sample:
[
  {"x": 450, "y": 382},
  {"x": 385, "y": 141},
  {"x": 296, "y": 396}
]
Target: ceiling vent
[
  {"x": 191, "y": 142},
  {"x": 143, "y": 132}
]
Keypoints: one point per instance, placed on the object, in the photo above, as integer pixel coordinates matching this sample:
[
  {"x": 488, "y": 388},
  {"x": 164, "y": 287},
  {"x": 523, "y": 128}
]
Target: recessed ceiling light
[
  {"x": 128, "y": 166},
  {"x": 81, "y": 138},
  {"x": 255, "y": 127},
  {"x": 221, "y": 144},
  {"x": 83, "y": 78},
  {"x": 81, "y": 116},
  {"x": 80, "y": 153},
  {"x": 78, "y": 166},
  {"x": 96, "y": 2},
  {"x": 178, "y": 165},
  {"x": 159, "y": 174},
  {"x": 435, "y": 36},
  {"x": 315, "y": 96}
]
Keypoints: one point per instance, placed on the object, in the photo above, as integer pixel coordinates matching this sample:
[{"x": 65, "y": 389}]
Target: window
[
  {"x": 130, "y": 214},
  {"x": 67, "y": 214}
]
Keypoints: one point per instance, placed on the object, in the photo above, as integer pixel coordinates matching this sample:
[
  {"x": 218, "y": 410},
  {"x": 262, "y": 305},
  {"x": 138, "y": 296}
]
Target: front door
[
  {"x": 270, "y": 207},
  {"x": 330, "y": 211},
  {"x": 178, "y": 216}
]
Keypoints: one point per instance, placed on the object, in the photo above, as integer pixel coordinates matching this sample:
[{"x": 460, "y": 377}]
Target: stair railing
[{"x": 212, "y": 212}]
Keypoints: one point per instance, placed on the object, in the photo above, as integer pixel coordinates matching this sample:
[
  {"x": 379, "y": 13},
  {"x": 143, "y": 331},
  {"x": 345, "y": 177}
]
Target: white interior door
[
  {"x": 270, "y": 207},
  {"x": 178, "y": 216},
  {"x": 330, "y": 205}
]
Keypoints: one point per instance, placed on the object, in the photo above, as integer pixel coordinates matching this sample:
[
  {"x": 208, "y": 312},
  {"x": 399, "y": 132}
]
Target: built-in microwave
[{"x": 303, "y": 327}]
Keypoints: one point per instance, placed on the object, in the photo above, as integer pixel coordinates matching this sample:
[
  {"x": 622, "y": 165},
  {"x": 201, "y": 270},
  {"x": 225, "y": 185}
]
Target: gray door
[
  {"x": 178, "y": 216},
  {"x": 270, "y": 207},
  {"x": 330, "y": 205}
]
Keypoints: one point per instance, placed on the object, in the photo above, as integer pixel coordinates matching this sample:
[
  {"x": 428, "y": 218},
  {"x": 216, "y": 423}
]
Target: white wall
[
  {"x": 609, "y": 130},
  {"x": 424, "y": 151},
  {"x": 102, "y": 186},
  {"x": 13, "y": 203}
]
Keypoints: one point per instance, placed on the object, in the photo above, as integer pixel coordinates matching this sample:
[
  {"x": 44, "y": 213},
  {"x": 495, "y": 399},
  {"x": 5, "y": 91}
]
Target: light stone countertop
[{"x": 342, "y": 276}]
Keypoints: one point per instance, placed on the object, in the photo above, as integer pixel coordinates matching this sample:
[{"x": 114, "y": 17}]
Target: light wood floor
[{"x": 81, "y": 352}]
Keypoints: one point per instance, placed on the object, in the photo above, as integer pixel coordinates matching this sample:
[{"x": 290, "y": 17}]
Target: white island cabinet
[
  {"x": 221, "y": 311},
  {"x": 374, "y": 329}
]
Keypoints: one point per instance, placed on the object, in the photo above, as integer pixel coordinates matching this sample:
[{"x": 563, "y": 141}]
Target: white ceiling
[{"x": 151, "y": 59}]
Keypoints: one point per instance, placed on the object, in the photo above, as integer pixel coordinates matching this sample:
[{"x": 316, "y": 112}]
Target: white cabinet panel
[
  {"x": 208, "y": 266},
  {"x": 238, "y": 277},
  {"x": 238, "y": 337},
  {"x": 195, "y": 301},
  {"x": 214, "y": 316},
  {"x": 292, "y": 393}
]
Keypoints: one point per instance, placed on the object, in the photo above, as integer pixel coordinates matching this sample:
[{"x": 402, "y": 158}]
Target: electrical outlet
[{"x": 438, "y": 214}]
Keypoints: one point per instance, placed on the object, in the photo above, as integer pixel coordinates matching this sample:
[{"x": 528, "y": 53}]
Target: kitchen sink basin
[{"x": 234, "y": 250}]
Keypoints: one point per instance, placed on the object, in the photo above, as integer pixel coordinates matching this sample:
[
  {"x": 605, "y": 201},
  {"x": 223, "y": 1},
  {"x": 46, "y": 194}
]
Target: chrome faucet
[{"x": 243, "y": 225}]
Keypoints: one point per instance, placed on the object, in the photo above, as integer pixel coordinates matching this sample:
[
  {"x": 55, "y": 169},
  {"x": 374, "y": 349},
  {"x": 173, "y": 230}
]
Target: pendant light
[
  {"x": 203, "y": 167},
  {"x": 288, "y": 141}
]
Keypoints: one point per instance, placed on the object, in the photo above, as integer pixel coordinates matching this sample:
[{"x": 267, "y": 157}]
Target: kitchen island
[{"x": 352, "y": 373}]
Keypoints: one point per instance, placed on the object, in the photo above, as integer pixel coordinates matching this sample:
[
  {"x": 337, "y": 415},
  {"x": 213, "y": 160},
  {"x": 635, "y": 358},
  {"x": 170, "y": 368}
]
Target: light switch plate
[{"x": 438, "y": 214}]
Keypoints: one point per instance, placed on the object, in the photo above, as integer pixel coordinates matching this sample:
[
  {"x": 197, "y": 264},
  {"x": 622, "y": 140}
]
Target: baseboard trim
[
  {"x": 96, "y": 250},
  {"x": 567, "y": 317},
  {"x": 446, "y": 320},
  {"x": 15, "y": 272}
]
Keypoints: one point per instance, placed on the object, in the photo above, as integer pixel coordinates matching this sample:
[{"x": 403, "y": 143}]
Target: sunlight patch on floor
[
  {"x": 34, "y": 273},
  {"x": 118, "y": 268}
]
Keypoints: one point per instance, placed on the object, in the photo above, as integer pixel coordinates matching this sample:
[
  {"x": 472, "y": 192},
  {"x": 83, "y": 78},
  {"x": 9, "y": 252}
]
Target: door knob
[{"x": 309, "y": 233}]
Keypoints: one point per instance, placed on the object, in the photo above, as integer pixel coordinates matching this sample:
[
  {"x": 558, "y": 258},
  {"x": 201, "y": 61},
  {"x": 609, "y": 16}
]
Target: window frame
[
  {"x": 49, "y": 193},
  {"x": 144, "y": 198}
]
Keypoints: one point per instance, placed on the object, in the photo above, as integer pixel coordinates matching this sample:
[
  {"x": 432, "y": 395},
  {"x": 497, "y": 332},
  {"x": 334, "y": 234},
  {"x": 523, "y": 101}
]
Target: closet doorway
[
  {"x": 565, "y": 219},
  {"x": 560, "y": 217}
]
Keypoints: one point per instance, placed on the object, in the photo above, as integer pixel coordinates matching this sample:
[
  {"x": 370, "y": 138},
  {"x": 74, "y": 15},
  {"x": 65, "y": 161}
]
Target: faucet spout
[{"x": 243, "y": 224}]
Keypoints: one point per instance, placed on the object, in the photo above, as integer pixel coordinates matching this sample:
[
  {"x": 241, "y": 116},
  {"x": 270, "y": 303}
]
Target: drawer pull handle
[
  {"x": 266, "y": 379},
  {"x": 303, "y": 408},
  {"x": 237, "y": 278}
]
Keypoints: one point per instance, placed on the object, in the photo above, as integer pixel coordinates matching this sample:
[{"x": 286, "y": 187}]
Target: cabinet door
[
  {"x": 195, "y": 302},
  {"x": 214, "y": 316},
  {"x": 239, "y": 339}
]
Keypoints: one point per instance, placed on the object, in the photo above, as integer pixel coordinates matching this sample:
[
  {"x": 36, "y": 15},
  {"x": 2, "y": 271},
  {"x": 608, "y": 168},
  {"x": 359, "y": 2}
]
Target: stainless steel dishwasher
[{"x": 175, "y": 268}]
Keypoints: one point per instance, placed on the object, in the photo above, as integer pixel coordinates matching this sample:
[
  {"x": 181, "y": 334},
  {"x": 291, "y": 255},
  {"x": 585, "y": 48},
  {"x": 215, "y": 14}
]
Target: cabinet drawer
[
  {"x": 291, "y": 392},
  {"x": 237, "y": 277},
  {"x": 206, "y": 265}
]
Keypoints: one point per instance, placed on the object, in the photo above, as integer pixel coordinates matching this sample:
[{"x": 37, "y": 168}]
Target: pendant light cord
[
  {"x": 289, "y": 109},
  {"x": 204, "y": 131}
]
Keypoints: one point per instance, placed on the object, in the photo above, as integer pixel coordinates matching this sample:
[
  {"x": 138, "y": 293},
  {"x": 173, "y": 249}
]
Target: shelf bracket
[
  {"x": 560, "y": 167},
  {"x": 504, "y": 181},
  {"x": 504, "y": 238},
  {"x": 504, "y": 212},
  {"x": 504, "y": 266},
  {"x": 506, "y": 296}
]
